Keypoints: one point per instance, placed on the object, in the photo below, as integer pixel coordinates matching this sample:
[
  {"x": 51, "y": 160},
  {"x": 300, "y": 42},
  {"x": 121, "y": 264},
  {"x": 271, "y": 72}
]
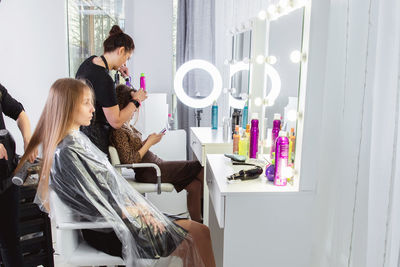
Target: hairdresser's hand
[
  {"x": 124, "y": 71},
  {"x": 154, "y": 138},
  {"x": 33, "y": 155},
  {"x": 3, "y": 152},
  {"x": 139, "y": 95}
]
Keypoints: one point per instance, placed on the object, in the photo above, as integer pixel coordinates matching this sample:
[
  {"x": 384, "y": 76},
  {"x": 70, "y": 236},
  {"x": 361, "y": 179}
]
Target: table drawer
[
  {"x": 197, "y": 148},
  {"x": 217, "y": 200}
]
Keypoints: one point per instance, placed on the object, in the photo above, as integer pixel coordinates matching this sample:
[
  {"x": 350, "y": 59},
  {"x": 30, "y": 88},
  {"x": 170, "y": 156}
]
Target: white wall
[
  {"x": 33, "y": 53},
  {"x": 149, "y": 23}
]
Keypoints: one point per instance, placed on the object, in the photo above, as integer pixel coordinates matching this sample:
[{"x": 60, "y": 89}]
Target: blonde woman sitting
[{"x": 82, "y": 177}]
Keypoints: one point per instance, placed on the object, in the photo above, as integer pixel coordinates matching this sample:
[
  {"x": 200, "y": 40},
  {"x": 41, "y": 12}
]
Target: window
[{"x": 89, "y": 22}]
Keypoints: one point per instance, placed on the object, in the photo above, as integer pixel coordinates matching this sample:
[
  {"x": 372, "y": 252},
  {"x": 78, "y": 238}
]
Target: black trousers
[{"x": 9, "y": 228}]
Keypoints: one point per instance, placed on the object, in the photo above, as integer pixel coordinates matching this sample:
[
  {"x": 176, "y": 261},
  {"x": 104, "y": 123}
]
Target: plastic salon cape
[{"x": 84, "y": 180}]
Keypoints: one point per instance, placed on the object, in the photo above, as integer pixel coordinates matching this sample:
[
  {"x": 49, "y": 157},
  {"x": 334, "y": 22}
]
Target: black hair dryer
[
  {"x": 26, "y": 170},
  {"x": 249, "y": 174}
]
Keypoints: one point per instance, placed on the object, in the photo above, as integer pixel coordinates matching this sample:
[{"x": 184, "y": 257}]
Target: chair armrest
[
  {"x": 140, "y": 165},
  {"x": 83, "y": 225},
  {"x": 144, "y": 165}
]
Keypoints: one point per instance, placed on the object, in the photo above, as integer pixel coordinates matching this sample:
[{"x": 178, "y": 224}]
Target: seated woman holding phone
[{"x": 131, "y": 149}]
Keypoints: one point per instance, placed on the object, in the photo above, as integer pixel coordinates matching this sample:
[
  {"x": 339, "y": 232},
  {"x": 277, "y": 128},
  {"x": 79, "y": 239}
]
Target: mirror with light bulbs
[{"x": 279, "y": 72}]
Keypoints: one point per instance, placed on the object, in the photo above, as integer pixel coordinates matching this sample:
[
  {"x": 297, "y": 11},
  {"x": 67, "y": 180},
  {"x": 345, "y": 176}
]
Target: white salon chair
[
  {"x": 74, "y": 251},
  {"x": 70, "y": 246},
  {"x": 128, "y": 173}
]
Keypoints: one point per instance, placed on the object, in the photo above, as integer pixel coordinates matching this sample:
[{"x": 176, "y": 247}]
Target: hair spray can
[
  {"x": 281, "y": 159},
  {"x": 253, "y": 139},
  {"x": 142, "y": 82},
  {"x": 244, "y": 117},
  {"x": 214, "y": 116}
]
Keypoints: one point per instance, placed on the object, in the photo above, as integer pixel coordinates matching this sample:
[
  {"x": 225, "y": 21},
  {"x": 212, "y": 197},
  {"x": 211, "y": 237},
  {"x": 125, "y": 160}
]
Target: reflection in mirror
[
  {"x": 284, "y": 38},
  {"x": 242, "y": 44},
  {"x": 239, "y": 70}
]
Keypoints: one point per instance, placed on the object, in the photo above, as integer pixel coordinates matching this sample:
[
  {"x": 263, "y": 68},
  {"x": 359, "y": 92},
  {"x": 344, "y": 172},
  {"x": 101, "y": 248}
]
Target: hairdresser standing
[
  {"x": 118, "y": 48},
  {"x": 9, "y": 193}
]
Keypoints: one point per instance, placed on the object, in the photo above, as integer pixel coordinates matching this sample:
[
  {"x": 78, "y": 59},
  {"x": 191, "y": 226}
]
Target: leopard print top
[{"x": 127, "y": 141}]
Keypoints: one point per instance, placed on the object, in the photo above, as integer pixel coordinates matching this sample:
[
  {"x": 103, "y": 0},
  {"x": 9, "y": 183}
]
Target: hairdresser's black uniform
[
  {"x": 9, "y": 195},
  {"x": 105, "y": 96}
]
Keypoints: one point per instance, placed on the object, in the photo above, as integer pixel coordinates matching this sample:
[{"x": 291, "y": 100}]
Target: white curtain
[
  {"x": 384, "y": 178},
  {"x": 357, "y": 213}
]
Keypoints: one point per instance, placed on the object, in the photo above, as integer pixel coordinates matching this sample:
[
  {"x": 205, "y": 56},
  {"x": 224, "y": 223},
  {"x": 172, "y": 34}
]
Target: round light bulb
[
  {"x": 271, "y": 60},
  {"x": 262, "y": 15},
  {"x": 260, "y": 59},
  {"x": 292, "y": 115},
  {"x": 295, "y": 56},
  {"x": 258, "y": 101}
]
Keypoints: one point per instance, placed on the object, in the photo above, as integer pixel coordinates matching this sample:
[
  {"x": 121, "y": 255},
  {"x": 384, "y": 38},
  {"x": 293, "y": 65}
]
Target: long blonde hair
[{"x": 55, "y": 121}]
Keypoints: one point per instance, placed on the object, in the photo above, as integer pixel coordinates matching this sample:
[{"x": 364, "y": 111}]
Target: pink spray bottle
[
  {"x": 142, "y": 81},
  {"x": 281, "y": 159}
]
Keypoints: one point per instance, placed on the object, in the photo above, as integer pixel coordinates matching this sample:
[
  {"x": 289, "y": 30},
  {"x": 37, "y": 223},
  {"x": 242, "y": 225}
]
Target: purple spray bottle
[
  {"x": 275, "y": 132},
  {"x": 253, "y": 138},
  {"x": 142, "y": 81},
  {"x": 281, "y": 159}
]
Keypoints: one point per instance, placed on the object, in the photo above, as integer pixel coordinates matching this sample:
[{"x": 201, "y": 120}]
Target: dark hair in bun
[
  {"x": 117, "y": 39},
  {"x": 123, "y": 95}
]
